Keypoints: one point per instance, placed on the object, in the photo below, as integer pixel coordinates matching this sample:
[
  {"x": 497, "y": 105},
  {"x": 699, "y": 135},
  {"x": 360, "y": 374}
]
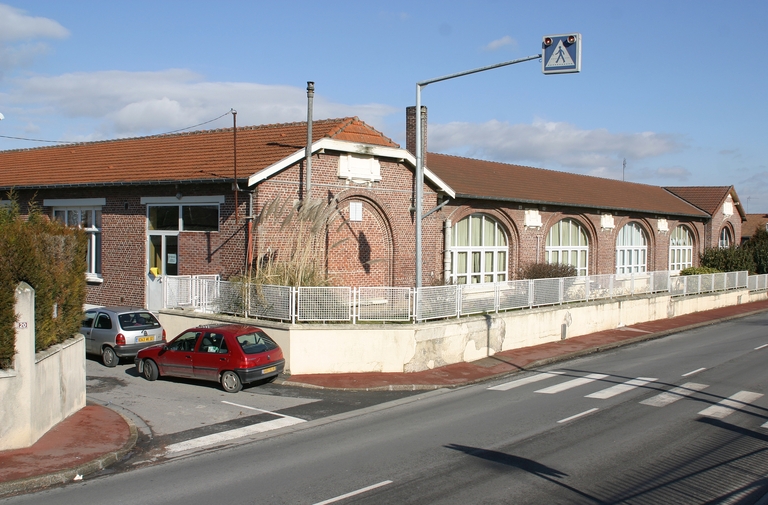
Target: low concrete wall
[
  {"x": 42, "y": 389},
  {"x": 348, "y": 348}
]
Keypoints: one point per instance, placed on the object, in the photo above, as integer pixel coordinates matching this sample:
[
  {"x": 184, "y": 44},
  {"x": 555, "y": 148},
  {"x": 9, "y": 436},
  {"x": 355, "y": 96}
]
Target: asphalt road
[{"x": 682, "y": 419}]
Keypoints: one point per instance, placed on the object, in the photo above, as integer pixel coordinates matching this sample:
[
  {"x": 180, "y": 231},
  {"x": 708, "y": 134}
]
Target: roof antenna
[{"x": 623, "y": 168}]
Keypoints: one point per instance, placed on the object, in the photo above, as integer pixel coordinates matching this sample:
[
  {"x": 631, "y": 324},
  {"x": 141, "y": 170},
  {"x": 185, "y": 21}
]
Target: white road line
[
  {"x": 695, "y": 371},
  {"x": 225, "y": 436},
  {"x": 354, "y": 493},
  {"x": 730, "y": 405},
  {"x": 586, "y": 412},
  {"x": 572, "y": 383},
  {"x": 761, "y": 347},
  {"x": 258, "y": 410},
  {"x": 621, "y": 388},
  {"x": 674, "y": 394},
  {"x": 528, "y": 380}
]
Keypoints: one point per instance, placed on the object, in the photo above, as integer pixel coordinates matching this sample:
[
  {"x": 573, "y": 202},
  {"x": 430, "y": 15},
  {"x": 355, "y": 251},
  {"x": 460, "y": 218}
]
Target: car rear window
[
  {"x": 138, "y": 321},
  {"x": 254, "y": 343}
]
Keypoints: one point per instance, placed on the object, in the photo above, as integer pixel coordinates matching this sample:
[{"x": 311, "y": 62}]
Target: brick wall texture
[{"x": 378, "y": 250}]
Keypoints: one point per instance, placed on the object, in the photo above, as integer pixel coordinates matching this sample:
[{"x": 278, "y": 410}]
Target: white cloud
[
  {"x": 15, "y": 24},
  {"x": 136, "y": 103},
  {"x": 546, "y": 143},
  {"x": 499, "y": 43}
]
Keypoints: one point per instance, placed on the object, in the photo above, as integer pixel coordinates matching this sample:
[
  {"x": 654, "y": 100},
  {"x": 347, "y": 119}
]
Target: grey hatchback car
[{"x": 119, "y": 332}]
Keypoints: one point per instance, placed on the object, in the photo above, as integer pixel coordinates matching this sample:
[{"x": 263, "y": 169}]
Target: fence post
[
  {"x": 560, "y": 289},
  {"x": 530, "y": 293},
  {"x": 586, "y": 288},
  {"x": 458, "y": 301}
]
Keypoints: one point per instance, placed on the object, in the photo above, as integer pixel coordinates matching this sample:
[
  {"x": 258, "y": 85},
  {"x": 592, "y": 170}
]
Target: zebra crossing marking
[
  {"x": 572, "y": 383},
  {"x": 528, "y": 380},
  {"x": 675, "y": 394},
  {"x": 621, "y": 388},
  {"x": 731, "y": 404}
]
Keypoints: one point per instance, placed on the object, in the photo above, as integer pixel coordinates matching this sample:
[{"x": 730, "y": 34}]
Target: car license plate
[
  {"x": 145, "y": 339},
  {"x": 270, "y": 369}
]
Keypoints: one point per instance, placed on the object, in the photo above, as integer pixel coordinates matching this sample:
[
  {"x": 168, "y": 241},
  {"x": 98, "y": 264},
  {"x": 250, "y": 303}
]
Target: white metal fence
[{"x": 384, "y": 304}]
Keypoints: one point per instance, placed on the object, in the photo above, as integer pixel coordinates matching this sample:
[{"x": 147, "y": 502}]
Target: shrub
[
  {"x": 51, "y": 258},
  {"x": 699, "y": 271},
  {"x": 547, "y": 271},
  {"x": 757, "y": 245},
  {"x": 729, "y": 259}
]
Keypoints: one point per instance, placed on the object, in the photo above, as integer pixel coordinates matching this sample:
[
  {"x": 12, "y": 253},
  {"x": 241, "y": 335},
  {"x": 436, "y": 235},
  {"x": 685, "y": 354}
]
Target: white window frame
[
  {"x": 355, "y": 211},
  {"x": 566, "y": 250},
  {"x": 184, "y": 201},
  {"x": 631, "y": 256},
  {"x": 483, "y": 262},
  {"x": 724, "y": 242},
  {"x": 84, "y": 207},
  {"x": 680, "y": 249}
]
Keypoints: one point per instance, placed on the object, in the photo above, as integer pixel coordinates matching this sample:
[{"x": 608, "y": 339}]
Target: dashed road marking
[
  {"x": 354, "y": 493},
  {"x": 585, "y": 413},
  {"x": 694, "y": 372}
]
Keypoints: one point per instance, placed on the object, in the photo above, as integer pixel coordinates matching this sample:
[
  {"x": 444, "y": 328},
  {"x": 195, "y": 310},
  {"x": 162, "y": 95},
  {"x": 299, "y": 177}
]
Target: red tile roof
[
  {"x": 472, "y": 178},
  {"x": 752, "y": 223},
  {"x": 186, "y": 157},
  {"x": 707, "y": 198}
]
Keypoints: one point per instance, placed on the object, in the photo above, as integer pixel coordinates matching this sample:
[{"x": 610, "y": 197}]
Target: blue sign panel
[{"x": 561, "y": 54}]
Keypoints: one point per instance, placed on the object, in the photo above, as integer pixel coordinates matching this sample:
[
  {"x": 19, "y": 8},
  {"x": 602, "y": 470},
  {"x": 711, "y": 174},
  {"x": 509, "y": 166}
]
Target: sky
[{"x": 676, "y": 88}]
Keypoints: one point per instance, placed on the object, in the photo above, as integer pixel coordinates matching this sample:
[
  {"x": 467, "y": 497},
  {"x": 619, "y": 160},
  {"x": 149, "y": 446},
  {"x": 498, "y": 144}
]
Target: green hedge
[
  {"x": 51, "y": 258},
  {"x": 547, "y": 271}
]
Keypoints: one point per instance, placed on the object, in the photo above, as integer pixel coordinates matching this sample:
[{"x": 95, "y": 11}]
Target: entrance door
[{"x": 163, "y": 260}]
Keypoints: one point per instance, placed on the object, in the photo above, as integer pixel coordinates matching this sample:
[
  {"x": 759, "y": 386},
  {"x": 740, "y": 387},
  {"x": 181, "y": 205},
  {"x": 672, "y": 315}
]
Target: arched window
[
  {"x": 631, "y": 249},
  {"x": 567, "y": 244},
  {"x": 725, "y": 238},
  {"x": 680, "y": 249},
  {"x": 478, "y": 251}
]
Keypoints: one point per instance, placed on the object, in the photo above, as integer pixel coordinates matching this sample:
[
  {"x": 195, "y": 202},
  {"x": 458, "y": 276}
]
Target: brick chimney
[{"x": 410, "y": 130}]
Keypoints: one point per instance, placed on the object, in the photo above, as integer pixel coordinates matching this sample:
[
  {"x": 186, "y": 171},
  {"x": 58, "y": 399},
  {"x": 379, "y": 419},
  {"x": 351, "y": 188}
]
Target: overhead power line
[{"x": 75, "y": 142}]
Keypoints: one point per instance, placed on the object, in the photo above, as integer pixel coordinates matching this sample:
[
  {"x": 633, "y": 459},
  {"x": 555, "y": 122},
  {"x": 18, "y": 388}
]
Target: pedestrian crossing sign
[{"x": 561, "y": 54}]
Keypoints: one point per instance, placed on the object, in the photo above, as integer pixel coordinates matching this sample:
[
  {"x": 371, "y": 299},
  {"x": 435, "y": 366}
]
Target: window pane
[
  {"x": 489, "y": 234},
  {"x": 488, "y": 262},
  {"x": 461, "y": 233},
  {"x": 476, "y": 228},
  {"x": 574, "y": 233},
  {"x": 200, "y": 217},
  {"x": 461, "y": 263},
  {"x": 501, "y": 239},
  {"x": 164, "y": 217},
  {"x": 475, "y": 262},
  {"x": 501, "y": 258}
]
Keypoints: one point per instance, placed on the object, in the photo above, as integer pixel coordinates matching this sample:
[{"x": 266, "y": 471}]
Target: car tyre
[
  {"x": 230, "y": 382},
  {"x": 149, "y": 370},
  {"x": 108, "y": 357}
]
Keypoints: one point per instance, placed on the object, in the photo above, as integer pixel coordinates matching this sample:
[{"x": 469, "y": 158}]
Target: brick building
[{"x": 182, "y": 205}]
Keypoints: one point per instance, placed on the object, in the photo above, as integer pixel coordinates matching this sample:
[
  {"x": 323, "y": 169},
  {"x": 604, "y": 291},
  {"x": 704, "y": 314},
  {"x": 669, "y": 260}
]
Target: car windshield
[
  {"x": 142, "y": 320},
  {"x": 254, "y": 343}
]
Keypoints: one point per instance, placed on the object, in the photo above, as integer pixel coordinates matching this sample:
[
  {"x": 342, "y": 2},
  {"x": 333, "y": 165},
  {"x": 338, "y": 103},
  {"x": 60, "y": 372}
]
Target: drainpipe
[
  {"x": 447, "y": 251},
  {"x": 310, "y": 97},
  {"x": 249, "y": 252}
]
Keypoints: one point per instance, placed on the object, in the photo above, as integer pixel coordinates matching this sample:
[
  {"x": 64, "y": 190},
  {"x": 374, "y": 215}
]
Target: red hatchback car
[{"x": 231, "y": 354}]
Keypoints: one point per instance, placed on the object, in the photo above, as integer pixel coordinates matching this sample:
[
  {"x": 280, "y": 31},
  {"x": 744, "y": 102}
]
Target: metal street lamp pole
[{"x": 420, "y": 142}]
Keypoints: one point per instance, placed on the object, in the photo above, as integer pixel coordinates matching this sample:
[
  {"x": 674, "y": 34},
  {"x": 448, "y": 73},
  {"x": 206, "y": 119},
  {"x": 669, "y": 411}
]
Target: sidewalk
[{"x": 96, "y": 437}]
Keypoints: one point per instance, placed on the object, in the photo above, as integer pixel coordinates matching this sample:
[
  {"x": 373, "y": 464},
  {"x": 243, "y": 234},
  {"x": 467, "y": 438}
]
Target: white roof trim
[
  {"x": 74, "y": 202},
  {"x": 153, "y": 200},
  {"x": 348, "y": 147}
]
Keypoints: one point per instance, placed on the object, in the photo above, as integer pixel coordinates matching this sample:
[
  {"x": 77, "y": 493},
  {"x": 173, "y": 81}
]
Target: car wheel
[
  {"x": 230, "y": 381},
  {"x": 149, "y": 371},
  {"x": 108, "y": 357}
]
